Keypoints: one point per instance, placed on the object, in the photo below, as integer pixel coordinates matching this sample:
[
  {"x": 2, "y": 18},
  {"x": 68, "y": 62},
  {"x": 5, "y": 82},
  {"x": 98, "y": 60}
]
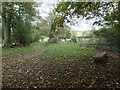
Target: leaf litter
[{"x": 38, "y": 72}]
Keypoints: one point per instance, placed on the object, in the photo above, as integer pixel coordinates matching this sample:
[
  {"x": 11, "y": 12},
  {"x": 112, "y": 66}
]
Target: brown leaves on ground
[{"x": 37, "y": 72}]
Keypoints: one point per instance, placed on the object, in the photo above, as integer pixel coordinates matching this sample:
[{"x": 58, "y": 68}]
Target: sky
[{"x": 82, "y": 25}]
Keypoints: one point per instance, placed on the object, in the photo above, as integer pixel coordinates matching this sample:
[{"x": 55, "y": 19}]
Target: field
[{"x": 58, "y": 66}]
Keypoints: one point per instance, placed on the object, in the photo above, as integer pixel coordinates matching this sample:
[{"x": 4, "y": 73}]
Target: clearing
[{"x": 58, "y": 66}]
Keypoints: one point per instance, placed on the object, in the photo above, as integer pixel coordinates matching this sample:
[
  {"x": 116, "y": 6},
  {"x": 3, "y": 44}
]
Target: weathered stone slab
[{"x": 100, "y": 57}]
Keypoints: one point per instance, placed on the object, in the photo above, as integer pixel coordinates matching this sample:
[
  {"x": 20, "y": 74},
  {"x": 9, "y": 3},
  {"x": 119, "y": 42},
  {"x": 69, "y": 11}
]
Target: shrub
[{"x": 52, "y": 40}]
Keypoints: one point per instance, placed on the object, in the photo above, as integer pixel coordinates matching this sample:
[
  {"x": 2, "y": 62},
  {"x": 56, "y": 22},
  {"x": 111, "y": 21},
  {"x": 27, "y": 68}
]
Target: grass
[
  {"x": 68, "y": 54},
  {"x": 60, "y": 50},
  {"x": 68, "y": 51},
  {"x": 21, "y": 50}
]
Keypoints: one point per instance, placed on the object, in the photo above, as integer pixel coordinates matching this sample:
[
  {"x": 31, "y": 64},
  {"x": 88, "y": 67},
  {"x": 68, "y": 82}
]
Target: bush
[
  {"x": 52, "y": 40},
  {"x": 74, "y": 40},
  {"x": 36, "y": 38},
  {"x": 22, "y": 32}
]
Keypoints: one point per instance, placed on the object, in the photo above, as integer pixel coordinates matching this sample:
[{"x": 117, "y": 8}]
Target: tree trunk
[
  {"x": 118, "y": 27},
  {"x": 6, "y": 33},
  {"x": 6, "y": 27},
  {"x": 6, "y": 22}
]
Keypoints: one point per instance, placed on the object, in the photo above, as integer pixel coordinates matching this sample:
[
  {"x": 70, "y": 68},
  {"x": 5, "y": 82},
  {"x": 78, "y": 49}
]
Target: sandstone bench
[{"x": 100, "y": 57}]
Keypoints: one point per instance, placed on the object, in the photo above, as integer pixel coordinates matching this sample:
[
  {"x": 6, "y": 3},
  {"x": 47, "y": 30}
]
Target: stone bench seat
[{"x": 100, "y": 57}]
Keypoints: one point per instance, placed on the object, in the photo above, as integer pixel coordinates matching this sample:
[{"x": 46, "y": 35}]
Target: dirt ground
[{"x": 32, "y": 70}]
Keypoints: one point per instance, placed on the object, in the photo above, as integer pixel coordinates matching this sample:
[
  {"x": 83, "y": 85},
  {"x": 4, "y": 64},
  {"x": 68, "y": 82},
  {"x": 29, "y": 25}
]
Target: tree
[
  {"x": 106, "y": 37},
  {"x": 56, "y": 20},
  {"x": 63, "y": 32},
  {"x": 10, "y": 12},
  {"x": 7, "y": 13},
  {"x": 22, "y": 32},
  {"x": 89, "y": 10},
  {"x": 111, "y": 33},
  {"x": 118, "y": 26}
]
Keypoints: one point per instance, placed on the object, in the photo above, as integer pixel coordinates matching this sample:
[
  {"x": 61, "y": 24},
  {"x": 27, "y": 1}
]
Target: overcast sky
[{"x": 82, "y": 25}]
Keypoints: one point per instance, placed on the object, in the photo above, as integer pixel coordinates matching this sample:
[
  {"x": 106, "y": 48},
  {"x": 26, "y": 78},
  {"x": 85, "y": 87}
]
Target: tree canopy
[{"x": 106, "y": 14}]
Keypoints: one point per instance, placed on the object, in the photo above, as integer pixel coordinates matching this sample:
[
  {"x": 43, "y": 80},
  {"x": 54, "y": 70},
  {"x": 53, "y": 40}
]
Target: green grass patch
[
  {"x": 54, "y": 51},
  {"x": 21, "y": 50},
  {"x": 68, "y": 51},
  {"x": 63, "y": 55}
]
